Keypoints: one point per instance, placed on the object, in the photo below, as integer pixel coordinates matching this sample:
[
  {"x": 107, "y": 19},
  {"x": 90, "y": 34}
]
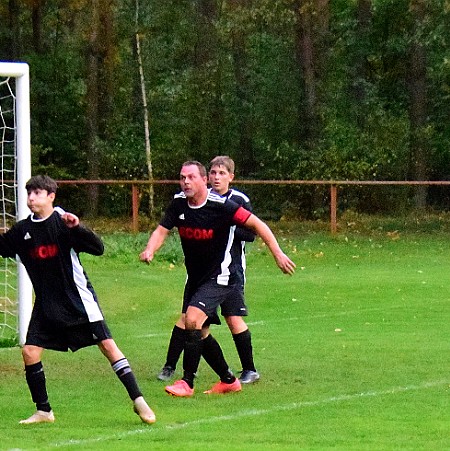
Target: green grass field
[{"x": 353, "y": 351}]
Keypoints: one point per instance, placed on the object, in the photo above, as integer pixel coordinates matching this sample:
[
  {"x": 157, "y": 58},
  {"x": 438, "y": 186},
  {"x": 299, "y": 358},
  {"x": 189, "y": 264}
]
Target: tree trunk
[
  {"x": 207, "y": 42},
  {"x": 36, "y": 17},
  {"x": 246, "y": 157},
  {"x": 312, "y": 17},
  {"x": 418, "y": 104},
  {"x": 15, "y": 49},
  {"x": 305, "y": 60},
  {"x": 148, "y": 149},
  {"x": 360, "y": 72},
  {"x": 107, "y": 50},
  {"x": 100, "y": 89},
  {"x": 93, "y": 109},
  {"x": 206, "y": 132}
]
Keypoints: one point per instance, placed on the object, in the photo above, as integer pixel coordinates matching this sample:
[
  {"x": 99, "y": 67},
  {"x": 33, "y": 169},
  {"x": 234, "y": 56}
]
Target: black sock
[
  {"x": 176, "y": 346},
  {"x": 192, "y": 355},
  {"x": 126, "y": 376},
  {"x": 212, "y": 353},
  {"x": 35, "y": 378},
  {"x": 243, "y": 342}
]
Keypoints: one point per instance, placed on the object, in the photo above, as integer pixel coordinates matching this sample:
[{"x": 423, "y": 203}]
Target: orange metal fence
[{"x": 333, "y": 184}]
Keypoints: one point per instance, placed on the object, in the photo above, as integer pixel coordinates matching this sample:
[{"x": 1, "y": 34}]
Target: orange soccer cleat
[
  {"x": 222, "y": 387},
  {"x": 180, "y": 388}
]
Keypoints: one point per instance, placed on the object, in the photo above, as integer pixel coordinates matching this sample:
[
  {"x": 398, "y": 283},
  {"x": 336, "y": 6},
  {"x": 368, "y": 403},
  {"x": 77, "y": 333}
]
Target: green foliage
[
  {"x": 10, "y": 342},
  {"x": 229, "y": 79}
]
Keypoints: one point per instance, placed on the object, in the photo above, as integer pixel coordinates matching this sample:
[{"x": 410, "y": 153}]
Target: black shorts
[
  {"x": 60, "y": 338},
  {"x": 234, "y": 306},
  {"x": 208, "y": 296}
]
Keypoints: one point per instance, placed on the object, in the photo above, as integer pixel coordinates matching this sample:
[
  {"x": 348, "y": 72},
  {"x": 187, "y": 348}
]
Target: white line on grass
[
  {"x": 286, "y": 319},
  {"x": 249, "y": 413},
  {"x": 330, "y": 314},
  {"x": 165, "y": 334}
]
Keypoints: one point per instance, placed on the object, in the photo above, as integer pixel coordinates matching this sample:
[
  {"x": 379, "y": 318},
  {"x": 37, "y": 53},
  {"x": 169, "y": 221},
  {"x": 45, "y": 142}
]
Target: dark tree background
[{"x": 291, "y": 89}]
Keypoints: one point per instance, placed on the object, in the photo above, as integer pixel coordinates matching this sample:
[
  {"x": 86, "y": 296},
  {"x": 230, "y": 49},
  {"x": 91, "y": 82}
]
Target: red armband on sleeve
[{"x": 241, "y": 216}]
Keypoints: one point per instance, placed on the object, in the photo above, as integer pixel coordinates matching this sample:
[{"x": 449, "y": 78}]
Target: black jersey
[
  {"x": 49, "y": 251},
  {"x": 242, "y": 234},
  {"x": 207, "y": 235}
]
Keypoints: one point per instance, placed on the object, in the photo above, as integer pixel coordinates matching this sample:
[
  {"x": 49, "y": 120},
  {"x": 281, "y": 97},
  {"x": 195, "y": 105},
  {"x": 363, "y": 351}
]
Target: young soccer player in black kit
[
  {"x": 205, "y": 223},
  {"x": 66, "y": 314}
]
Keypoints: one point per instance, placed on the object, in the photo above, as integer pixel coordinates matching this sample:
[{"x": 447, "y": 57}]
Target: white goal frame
[{"x": 20, "y": 71}]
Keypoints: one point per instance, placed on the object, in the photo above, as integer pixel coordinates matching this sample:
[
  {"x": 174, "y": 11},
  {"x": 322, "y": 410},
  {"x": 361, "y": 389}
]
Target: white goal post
[{"x": 16, "y": 167}]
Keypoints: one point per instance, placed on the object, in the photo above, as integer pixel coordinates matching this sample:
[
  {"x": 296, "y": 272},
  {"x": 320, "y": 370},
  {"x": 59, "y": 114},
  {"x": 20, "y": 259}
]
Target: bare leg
[{"x": 125, "y": 374}]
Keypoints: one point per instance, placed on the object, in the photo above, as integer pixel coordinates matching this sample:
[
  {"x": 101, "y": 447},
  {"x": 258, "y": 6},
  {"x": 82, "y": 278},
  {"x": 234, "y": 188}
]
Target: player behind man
[{"x": 205, "y": 222}]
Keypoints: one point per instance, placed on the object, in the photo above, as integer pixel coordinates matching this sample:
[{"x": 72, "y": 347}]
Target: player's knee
[
  {"x": 194, "y": 318},
  {"x": 236, "y": 324},
  {"x": 110, "y": 350},
  {"x": 31, "y": 354},
  {"x": 194, "y": 323}
]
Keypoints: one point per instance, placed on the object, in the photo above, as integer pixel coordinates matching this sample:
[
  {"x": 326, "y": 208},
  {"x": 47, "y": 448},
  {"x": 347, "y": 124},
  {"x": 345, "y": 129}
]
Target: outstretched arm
[
  {"x": 263, "y": 230},
  {"x": 155, "y": 241}
]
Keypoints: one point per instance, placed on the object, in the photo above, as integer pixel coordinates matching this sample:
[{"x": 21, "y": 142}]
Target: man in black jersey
[
  {"x": 66, "y": 314},
  {"x": 205, "y": 223},
  {"x": 221, "y": 174}
]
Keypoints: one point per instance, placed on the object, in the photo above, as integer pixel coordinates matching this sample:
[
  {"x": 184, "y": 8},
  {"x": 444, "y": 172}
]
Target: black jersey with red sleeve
[
  {"x": 242, "y": 235},
  {"x": 49, "y": 251},
  {"x": 207, "y": 234}
]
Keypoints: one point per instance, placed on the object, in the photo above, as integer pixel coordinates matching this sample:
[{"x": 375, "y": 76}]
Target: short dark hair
[
  {"x": 200, "y": 166},
  {"x": 41, "y": 182}
]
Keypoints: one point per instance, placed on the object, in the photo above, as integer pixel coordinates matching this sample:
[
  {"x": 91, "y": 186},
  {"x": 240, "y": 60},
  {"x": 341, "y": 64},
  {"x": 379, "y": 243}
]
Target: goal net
[{"x": 15, "y": 170}]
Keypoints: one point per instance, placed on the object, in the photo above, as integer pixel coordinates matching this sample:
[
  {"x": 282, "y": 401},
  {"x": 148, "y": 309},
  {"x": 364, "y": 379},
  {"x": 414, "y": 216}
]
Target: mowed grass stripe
[{"x": 236, "y": 416}]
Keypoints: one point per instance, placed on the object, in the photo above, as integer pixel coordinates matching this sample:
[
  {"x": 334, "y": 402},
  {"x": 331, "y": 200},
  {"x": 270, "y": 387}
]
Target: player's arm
[
  {"x": 7, "y": 244},
  {"x": 155, "y": 241},
  {"x": 69, "y": 219},
  {"x": 85, "y": 240},
  {"x": 263, "y": 231}
]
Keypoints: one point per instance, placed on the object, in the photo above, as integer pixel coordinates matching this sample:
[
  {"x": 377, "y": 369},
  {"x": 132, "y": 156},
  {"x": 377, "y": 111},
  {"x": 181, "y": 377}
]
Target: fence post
[
  {"x": 333, "y": 208},
  {"x": 135, "y": 208}
]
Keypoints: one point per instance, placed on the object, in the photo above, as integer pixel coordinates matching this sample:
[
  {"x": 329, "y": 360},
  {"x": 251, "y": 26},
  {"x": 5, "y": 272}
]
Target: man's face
[
  {"x": 39, "y": 201},
  {"x": 220, "y": 179},
  {"x": 191, "y": 181}
]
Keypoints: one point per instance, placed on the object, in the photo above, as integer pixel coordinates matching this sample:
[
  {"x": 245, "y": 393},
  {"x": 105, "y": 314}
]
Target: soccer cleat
[
  {"x": 222, "y": 387},
  {"x": 143, "y": 410},
  {"x": 39, "y": 417},
  {"x": 180, "y": 388},
  {"x": 166, "y": 373},
  {"x": 249, "y": 377}
]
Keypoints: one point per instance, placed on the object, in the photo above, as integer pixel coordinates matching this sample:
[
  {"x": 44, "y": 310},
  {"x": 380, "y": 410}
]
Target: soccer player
[
  {"x": 221, "y": 174},
  {"x": 66, "y": 314},
  {"x": 206, "y": 224}
]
